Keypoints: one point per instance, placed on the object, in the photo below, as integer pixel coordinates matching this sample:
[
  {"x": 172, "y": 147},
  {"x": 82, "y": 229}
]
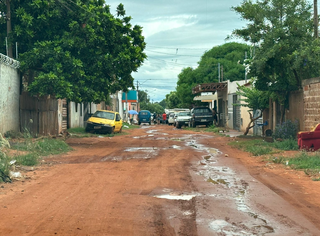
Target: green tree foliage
[
  {"x": 152, "y": 107},
  {"x": 230, "y": 56},
  {"x": 143, "y": 96},
  {"x": 172, "y": 100},
  {"x": 285, "y": 52},
  {"x": 163, "y": 103},
  {"x": 75, "y": 49},
  {"x": 255, "y": 100}
]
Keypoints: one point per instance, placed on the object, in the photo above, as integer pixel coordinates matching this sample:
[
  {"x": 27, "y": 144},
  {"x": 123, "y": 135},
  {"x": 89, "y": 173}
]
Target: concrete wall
[
  {"x": 311, "y": 100},
  {"x": 9, "y": 94},
  {"x": 77, "y": 113}
]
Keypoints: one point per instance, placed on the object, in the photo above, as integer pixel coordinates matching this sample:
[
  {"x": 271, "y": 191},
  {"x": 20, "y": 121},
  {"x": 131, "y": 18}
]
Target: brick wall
[{"x": 311, "y": 100}]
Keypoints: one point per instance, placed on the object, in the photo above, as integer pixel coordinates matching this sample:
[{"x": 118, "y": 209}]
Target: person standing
[{"x": 164, "y": 118}]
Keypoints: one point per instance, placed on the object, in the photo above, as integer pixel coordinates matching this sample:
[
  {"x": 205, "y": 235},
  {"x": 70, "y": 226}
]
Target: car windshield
[
  {"x": 202, "y": 110},
  {"x": 184, "y": 114},
  {"x": 104, "y": 115}
]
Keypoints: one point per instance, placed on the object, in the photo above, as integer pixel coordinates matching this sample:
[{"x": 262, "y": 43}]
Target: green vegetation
[
  {"x": 35, "y": 149},
  {"x": 4, "y": 166},
  {"x": 284, "y": 54},
  {"x": 86, "y": 54},
  {"x": 231, "y": 58},
  {"x": 255, "y": 100},
  {"x": 308, "y": 162},
  {"x": 258, "y": 146}
]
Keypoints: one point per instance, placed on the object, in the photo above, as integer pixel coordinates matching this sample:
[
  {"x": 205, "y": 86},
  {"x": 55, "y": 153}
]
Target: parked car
[
  {"x": 104, "y": 121},
  {"x": 201, "y": 116},
  {"x": 144, "y": 116},
  {"x": 182, "y": 119},
  {"x": 171, "y": 118}
]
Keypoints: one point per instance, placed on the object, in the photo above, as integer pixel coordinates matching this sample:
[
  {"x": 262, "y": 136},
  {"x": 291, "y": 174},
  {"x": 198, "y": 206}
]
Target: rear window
[
  {"x": 144, "y": 113},
  {"x": 184, "y": 114},
  {"x": 202, "y": 110}
]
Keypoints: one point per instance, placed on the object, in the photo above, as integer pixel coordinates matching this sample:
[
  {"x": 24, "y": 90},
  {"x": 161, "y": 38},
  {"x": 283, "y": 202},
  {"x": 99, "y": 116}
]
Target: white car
[
  {"x": 171, "y": 118},
  {"x": 182, "y": 119}
]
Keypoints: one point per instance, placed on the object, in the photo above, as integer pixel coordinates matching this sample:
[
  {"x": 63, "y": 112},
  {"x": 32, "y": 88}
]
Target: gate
[{"x": 39, "y": 116}]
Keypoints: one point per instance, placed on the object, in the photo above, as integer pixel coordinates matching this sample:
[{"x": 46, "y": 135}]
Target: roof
[
  {"x": 206, "y": 98},
  {"x": 209, "y": 87}
]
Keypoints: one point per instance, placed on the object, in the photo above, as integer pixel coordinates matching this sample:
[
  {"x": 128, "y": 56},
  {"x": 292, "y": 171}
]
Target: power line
[
  {"x": 178, "y": 48},
  {"x": 173, "y": 54},
  {"x": 174, "y": 63}
]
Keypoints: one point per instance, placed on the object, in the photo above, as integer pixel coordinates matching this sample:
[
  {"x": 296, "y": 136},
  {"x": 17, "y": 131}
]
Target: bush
[{"x": 286, "y": 130}]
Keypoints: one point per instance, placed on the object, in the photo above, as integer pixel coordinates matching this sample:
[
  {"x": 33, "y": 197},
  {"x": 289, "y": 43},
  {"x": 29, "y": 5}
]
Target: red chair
[{"x": 310, "y": 141}]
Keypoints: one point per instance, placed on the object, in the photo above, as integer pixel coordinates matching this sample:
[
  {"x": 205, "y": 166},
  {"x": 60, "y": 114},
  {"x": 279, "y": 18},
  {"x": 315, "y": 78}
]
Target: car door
[{"x": 118, "y": 123}]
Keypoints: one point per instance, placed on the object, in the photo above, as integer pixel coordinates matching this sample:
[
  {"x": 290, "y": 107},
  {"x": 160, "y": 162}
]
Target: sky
[{"x": 177, "y": 34}]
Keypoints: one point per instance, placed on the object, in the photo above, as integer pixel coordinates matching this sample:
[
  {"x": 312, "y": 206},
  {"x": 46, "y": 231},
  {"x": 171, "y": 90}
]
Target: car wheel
[
  {"x": 193, "y": 124},
  {"x": 139, "y": 123},
  {"x": 120, "y": 131},
  {"x": 112, "y": 130},
  {"x": 178, "y": 126}
]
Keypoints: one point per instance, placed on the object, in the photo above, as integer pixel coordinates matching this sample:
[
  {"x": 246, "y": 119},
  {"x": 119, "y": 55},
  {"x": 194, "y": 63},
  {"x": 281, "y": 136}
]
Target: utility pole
[
  {"x": 9, "y": 29},
  {"x": 219, "y": 72},
  {"x": 245, "y": 68},
  {"x": 315, "y": 18}
]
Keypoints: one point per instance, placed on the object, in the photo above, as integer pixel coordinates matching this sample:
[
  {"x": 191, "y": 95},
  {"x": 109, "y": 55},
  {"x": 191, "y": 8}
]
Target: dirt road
[{"x": 159, "y": 181}]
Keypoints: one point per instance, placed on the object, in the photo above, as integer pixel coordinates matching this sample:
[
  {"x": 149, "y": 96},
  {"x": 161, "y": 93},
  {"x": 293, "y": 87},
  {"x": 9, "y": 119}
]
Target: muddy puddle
[{"x": 228, "y": 189}]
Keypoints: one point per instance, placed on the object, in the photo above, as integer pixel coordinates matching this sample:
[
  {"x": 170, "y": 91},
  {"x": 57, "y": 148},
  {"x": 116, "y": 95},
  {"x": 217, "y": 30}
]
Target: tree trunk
[{"x": 251, "y": 123}]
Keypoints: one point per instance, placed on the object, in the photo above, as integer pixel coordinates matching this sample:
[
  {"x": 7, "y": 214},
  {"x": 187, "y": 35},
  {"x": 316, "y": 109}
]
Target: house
[{"x": 222, "y": 97}]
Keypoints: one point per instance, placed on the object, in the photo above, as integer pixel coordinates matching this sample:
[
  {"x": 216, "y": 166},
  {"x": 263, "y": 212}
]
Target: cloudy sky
[{"x": 177, "y": 33}]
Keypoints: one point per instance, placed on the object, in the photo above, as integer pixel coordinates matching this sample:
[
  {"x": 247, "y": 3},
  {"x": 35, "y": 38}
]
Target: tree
[
  {"x": 281, "y": 32},
  {"x": 172, "y": 100},
  {"x": 77, "y": 50},
  {"x": 230, "y": 56},
  {"x": 152, "y": 107},
  {"x": 143, "y": 96},
  {"x": 255, "y": 100},
  {"x": 163, "y": 103}
]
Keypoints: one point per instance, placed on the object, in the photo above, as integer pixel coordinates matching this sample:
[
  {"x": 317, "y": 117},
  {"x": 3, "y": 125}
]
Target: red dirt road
[{"x": 159, "y": 181}]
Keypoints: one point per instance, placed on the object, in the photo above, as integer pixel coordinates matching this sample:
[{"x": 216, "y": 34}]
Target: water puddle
[
  {"x": 143, "y": 149},
  {"x": 151, "y": 131},
  {"x": 230, "y": 187},
  {"x": 175, "y": 147},
  {"x": 173, "y": 196}
]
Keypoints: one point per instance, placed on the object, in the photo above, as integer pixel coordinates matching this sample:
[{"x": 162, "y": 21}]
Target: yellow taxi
[{"x": 103, "y": 121}]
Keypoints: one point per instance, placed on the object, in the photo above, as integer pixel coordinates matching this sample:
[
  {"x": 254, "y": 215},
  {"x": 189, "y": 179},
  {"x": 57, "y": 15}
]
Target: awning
[{"x": 206, "y": 98}]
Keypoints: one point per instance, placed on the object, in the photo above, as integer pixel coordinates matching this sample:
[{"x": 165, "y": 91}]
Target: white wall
[
  {"x": 77, "y": 113},
  {"x": 9, "y": 94}
]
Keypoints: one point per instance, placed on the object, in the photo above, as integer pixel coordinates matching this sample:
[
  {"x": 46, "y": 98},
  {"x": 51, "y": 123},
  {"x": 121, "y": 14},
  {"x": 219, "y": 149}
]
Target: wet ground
[{"x": 159, "y": 180}]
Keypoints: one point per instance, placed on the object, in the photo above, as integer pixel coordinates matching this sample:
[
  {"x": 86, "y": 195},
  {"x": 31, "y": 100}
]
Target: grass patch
[
  {"x": 35, "y": 149},
  {"x": 286, "y": 145},
  {"x": 257, "y": 146},
  {"x": 304, "y": 161},
  {"x": 30, "y": 159}
]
